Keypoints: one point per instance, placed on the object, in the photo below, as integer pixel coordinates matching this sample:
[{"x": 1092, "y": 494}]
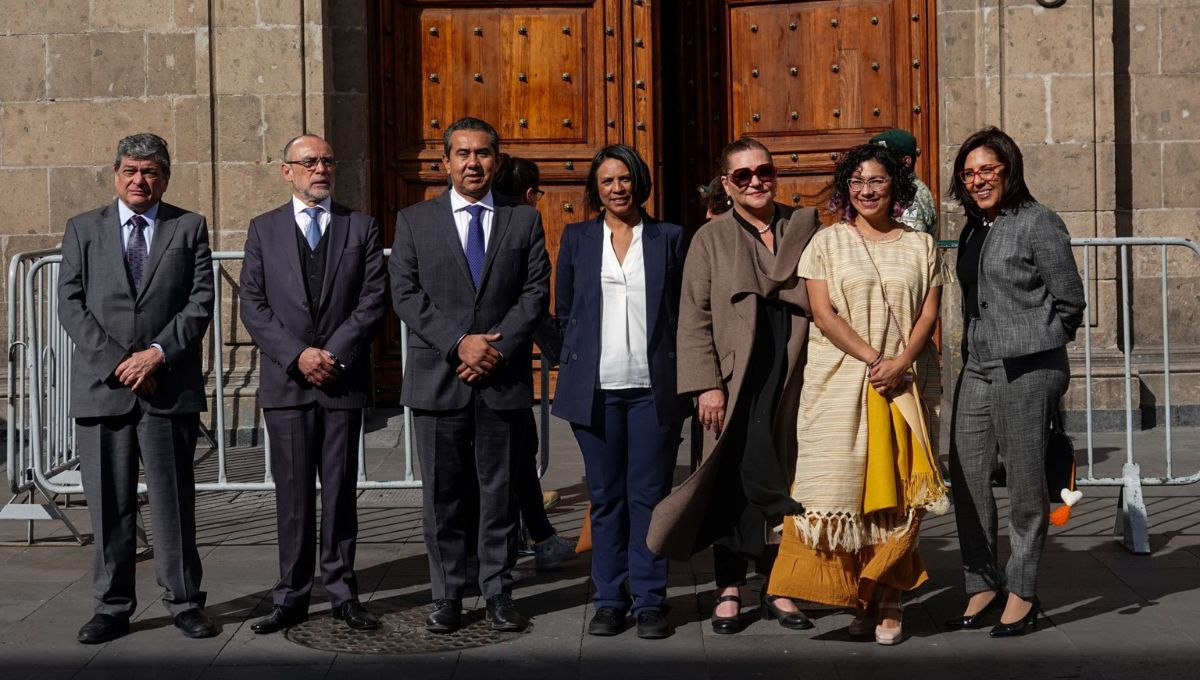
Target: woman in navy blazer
[{"x": 617, "y": 302}]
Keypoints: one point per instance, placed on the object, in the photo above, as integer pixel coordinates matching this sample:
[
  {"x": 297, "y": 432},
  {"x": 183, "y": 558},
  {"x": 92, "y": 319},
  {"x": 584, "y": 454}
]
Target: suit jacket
[
  {"x": 433, "y": 294},
  {"x": 107, "y": 320},
  {"x": 578, "y": 305},
  {"x": 276, "y": 311},
  {"x": 1029, "y": 291}
]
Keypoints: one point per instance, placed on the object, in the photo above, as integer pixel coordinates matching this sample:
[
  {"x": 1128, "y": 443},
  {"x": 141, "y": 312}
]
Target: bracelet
[{"x": 878, "y": 359}]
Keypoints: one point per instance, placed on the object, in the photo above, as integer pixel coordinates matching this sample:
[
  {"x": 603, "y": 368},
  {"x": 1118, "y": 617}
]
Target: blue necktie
[
  {"x": 313, "y": 233},
  {"x": 475, "y": 251},
  {"x": 135, "y": 251}
]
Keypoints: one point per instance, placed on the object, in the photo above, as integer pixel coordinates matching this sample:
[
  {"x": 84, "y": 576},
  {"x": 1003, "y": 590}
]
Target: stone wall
[
  {"x": 225, "y": 82},
  {"x": 1102, "y": 97}
]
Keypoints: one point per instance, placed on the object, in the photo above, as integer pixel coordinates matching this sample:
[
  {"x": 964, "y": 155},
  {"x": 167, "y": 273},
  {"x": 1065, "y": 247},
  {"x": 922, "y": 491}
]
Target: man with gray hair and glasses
[{"x": 136, "y": 296}]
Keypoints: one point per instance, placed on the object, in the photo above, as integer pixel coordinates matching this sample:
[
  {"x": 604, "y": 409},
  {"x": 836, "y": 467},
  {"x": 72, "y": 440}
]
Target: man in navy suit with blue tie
[
  {"x": 312, "y": 294},
  {"x": 470, "y": 278}
]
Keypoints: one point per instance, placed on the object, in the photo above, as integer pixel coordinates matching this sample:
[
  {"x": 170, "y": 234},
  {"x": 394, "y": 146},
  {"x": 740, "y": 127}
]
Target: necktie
[
  {"x": 312, "y": 233},
  {"x": 135, "y": 251},
  {"x": 475, "y": 251}
]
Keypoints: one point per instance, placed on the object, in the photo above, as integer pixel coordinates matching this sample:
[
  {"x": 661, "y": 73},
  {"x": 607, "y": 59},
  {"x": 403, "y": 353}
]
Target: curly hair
[{"x": 904, "y": 186}]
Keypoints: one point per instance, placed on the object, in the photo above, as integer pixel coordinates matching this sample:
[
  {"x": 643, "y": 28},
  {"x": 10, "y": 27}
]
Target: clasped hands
[
  {"x": 318, "y": 366},
  {"x": 887, "y": 377},
  {"x": 136, "y": 371},
  {"x": 478, "y": 358}
]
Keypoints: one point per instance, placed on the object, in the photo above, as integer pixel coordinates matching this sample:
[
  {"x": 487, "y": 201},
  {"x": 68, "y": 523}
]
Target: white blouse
[{"x": 624, "y": 360}]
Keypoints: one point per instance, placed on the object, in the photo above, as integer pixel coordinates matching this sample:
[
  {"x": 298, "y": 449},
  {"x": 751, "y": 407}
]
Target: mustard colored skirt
[{"x": 845, "y": 579}]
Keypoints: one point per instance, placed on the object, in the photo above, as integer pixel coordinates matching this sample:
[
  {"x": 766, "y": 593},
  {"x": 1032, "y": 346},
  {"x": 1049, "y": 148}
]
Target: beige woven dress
[{"x": 833, "y": 538}]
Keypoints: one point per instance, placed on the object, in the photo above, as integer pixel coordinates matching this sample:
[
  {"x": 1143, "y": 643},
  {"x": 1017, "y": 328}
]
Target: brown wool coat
[{"x": 725, "y": 270}]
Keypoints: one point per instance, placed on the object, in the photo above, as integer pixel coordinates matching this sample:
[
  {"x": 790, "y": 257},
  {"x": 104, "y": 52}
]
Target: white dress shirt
[
  {"x": 624, "y": 359},
  {"x": 462, "y": 218},
  {"x": 125, "y": 213},
  {"x": 302, "y": 220}
]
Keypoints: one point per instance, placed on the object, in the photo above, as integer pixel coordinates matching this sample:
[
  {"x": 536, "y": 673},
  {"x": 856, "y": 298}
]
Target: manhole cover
[{"x": 401, "y": 631}]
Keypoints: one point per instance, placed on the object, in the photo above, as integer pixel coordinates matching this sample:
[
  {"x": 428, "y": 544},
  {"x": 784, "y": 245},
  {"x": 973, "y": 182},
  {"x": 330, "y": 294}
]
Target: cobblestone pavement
[{"x": 1108, "y": 614}]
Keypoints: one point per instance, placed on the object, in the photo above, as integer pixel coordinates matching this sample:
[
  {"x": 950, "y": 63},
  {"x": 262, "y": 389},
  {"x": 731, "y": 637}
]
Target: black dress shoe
[
  {"x": 652, "y": 625},
  {"x": 1027, "y": 624},
  {"x": 503, "y": 614},
  {"x": 102, "y": 628},
  {"x": 446, "y": 616},
  {"x": 791, "y": 620},
  {"x": 356, "y": 616},
  {"x": 607, "y": 621},
  {"x": 280, "y": 617},
  {"x": 727, "y": 625},
  {"x": 975, "y": 620},
  {"x": 195, "y": 623}
]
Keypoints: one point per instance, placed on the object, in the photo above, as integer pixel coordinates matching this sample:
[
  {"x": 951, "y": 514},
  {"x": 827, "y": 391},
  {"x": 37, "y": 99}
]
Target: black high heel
[
  {"x": 975, "y": 620},
  {"x": 727, "y": 625},
  {"x": 791, "y": 620},
  {"x": 1027, "y": 624}
]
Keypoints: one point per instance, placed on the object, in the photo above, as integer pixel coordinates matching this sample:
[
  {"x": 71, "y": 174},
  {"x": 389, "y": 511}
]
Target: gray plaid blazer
[
  {"x": 107, "y": 319},
  {"x": 1029, "y": 291}
]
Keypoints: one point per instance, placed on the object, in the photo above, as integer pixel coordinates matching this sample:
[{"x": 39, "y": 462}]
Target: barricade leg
[{"x": 1131, "y": 527}]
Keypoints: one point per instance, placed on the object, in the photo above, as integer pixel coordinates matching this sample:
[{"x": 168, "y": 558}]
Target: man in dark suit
[
  {"x": 136, "y": 295},
  {"x": 471, "y": 279},
  {"x": 312, "y": 294}
]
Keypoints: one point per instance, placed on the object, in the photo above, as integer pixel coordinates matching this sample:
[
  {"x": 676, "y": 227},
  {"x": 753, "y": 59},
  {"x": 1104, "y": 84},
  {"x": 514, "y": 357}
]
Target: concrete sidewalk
[{"x": 1109, "y": 614}]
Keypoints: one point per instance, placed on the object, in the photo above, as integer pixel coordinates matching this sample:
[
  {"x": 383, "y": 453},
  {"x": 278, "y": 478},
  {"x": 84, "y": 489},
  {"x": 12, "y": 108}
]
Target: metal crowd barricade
[
  {"x": 42, "y": 457},
  {"x": 1131, "y": 526}
]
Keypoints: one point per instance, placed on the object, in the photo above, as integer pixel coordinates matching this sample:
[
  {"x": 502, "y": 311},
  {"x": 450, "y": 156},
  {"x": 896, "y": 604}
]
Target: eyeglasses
[
  {"x": 987, "y": 173},
  {"x": 876, "y": 183},
  {"x": 538, "y": 193},
  {"x": 742, "y": 176},
  {"x": 310, "y": 163}
]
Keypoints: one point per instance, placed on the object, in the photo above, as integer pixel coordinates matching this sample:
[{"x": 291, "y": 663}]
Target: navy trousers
[{"x": 629, "y": 459}]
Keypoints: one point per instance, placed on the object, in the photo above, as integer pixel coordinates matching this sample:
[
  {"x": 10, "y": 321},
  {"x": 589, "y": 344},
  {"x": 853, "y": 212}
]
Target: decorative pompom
[{"x": 1060, "y": 515}]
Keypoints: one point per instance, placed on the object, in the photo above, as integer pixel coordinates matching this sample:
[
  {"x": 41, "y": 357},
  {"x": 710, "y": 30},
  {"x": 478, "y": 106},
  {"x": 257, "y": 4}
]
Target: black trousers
[
  {"x": 529, "y": 487},
  {"x": 310, "y": 442},
  {"x": 109, "y": 450},
  {"x": 468, "y": 461}
]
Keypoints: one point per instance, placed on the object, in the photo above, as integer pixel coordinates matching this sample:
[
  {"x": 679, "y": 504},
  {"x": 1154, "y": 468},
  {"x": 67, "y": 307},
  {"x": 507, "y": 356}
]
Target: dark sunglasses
[{"x": 742, "y": 176}]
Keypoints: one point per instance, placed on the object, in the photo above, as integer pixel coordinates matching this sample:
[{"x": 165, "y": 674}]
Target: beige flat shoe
[{"x": 890, "y": 636}]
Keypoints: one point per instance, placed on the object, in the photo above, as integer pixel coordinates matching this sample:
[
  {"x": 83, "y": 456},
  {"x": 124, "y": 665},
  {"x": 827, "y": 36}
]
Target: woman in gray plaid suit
[{"x": 1022, "y": 303}]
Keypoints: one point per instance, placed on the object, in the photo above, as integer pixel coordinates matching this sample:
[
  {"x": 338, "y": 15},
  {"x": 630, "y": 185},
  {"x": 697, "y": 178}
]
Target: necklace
[{"x": 763, "y": 230}]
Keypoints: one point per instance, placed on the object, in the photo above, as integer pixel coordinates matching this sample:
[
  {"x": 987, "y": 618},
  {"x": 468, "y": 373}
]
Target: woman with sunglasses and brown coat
[{"x": 742, "y": 328}]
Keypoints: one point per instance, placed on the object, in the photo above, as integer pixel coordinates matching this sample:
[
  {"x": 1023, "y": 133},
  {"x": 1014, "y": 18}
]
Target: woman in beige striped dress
[{"x": 865, "y": 468}]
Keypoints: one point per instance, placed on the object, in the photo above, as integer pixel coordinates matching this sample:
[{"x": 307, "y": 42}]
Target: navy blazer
[{"x": 578, "y": 306}]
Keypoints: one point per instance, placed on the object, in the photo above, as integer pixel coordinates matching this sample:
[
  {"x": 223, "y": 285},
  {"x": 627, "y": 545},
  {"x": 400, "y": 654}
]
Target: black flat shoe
[
  {"x": 279, "y": 618},
  {"x": 652, "y": 625},
  {"x": 606, "y": 622},
  {"x": 195, "y": 624},
  {"x": 727, "y": 625},
  {"x": 791, "y": 620},
  {"x": 356, "y": 616},
  {"x": 975, "y": 620},
  {"x": 1027, "y": 624},
  {"x": 102, "y": 628},
  {"x": 446, "y": 616},
  {"x": 503, "y": 614}
]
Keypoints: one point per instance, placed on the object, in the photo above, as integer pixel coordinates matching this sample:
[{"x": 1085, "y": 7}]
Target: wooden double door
[{"x": 674, "y": 79}]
